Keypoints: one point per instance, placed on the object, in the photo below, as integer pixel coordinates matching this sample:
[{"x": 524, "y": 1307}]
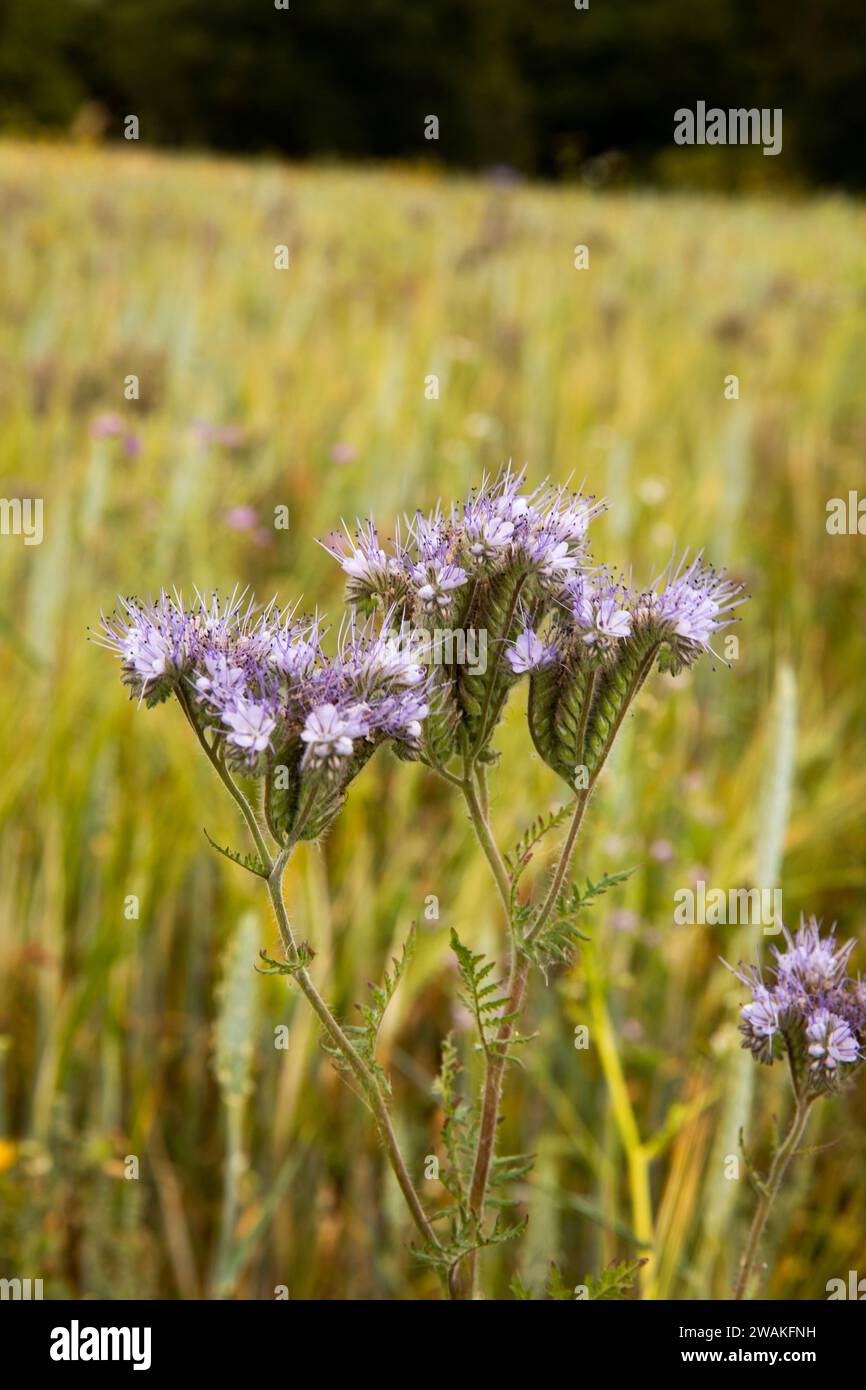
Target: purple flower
[
  {"x": 227, "y": 436},
  {"x": 154, "y": 641},
  {"x": 813, "y": 1007},
  {"x": 570, "y": 513},
  {"x": 694, "y": 604},
  {"x": 370, "y": 572},
  {"x": 110, "y": 426},
  {"x": 546, "y": 527},
  {"x": 329, "y": 736},
  {"x": 428, "y": 535},
  {"x": 811, "y": 962},
  {"x": 487, "y": 534},
  {"x": 220, "y": 682},
  {"x": 107, "y": 426},
  {"x": 529, "y": 653},
  {"x": 599, "y": 611},
  {"x": 662, "y": 851},
  {"x": 250, "y": 725},
  {"x": 400, "y": 716},
  {"x": 760, "y": 1024},
  {"x": 831, "y": 1044},
  {"x": 551, "y": 556},
  {"x": 436, "y": 583},
  {"x": 295, "y": 650}
]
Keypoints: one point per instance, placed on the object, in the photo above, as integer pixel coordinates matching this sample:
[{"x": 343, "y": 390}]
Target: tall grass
[{"x": 116, "y": 1041}]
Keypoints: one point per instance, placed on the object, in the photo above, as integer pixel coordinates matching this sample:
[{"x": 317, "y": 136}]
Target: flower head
[
  {"x": 329, "y": 735},
  {"x": 832, "y": 1044},
  {"x": 250, "y": 725},
  {"x": 155, "y": 642},
  {"x": 599, "y": 609},
  {"x": 371, "y": 573},
  {"x": 695, "y": 602},
  {"x": 529, "y": 653},
  {"x": 813, "y": 1010}
]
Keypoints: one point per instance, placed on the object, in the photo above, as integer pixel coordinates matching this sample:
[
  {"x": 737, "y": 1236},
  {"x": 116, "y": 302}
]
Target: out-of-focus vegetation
[
  {"x": 544, "y": 88},
  {"x": 306, "y": 387}
]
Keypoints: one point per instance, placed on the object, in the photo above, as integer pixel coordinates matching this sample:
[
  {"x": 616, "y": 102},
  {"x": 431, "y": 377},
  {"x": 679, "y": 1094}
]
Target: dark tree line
[{"x": 533, "y": 84}]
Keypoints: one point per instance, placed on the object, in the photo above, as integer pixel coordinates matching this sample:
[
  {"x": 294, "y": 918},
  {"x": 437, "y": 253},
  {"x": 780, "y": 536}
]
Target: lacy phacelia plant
[
  {"x": 272, "y": 711},
  {"x": 442, "y": 624},
  {"x": 513, "y": 571},
  {"x": 812, "y": 1013}
]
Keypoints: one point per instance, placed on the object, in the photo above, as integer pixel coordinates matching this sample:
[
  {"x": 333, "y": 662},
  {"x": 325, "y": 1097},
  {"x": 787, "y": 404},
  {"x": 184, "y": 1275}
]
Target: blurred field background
[{"x": 155, "y": 1037}]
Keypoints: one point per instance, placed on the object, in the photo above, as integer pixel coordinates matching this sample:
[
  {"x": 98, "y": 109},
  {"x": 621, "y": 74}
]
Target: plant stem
[
  {"x": 481, "y": 778},
  {"x": 464, "y": 1284},
  {"x": 490, "y": 1103},
  {"x": 363, "y": 1074},
  {"x": 463, "y": 1278},
  {"x": 361, "y": 1071},
  {"x": 778, "y": 1168},
  {"x": 488, "y": 844},
  {"x": 517, "y": 980},
  {"x": 563, "y": 865},
  {"x": 229, "y": 783}
]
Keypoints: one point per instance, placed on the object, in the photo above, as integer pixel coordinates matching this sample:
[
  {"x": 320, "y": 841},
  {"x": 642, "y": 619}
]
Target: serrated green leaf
[{"x": 246, "y": 861}]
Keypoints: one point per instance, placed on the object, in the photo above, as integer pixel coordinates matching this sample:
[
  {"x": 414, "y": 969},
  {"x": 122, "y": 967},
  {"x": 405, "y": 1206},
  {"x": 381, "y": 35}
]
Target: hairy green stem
[
  {"x": 364, "y": 1076},
  {"x": 485, "y": 839},
  {"x": 463, "y": 1279},
  {"x": 562, "y": 866},
  {"x": 770, "y": 1191},
  {"x": 229, "y": 783}
]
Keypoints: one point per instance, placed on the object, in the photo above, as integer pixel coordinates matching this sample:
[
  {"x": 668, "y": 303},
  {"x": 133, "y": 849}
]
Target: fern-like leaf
[
  {"x": 363, "y": 1036},
  {"x": 459, "y": 1132},
  {"x": 556, "y": 942},
  {"x": 517, "y": 861},
  {"x": 615, "y": 1281},
  {"x": 246, "y": 861},
  {"x": 485, "y": 999}
]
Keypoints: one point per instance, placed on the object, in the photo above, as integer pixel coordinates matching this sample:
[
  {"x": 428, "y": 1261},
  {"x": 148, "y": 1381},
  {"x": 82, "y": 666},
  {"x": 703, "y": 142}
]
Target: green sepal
[
  {"x": 616, "y": 685},
  {"x": 438, "y": 742},
  {"x": 282, "y": 801},
  {"x": 482, "y": 695}
]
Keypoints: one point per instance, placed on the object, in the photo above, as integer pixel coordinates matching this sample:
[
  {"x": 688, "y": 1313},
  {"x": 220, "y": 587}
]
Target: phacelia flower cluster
[
  {"x": 259, "y": 688},
  {"x": 678, "y": 615},
  {"x": 515, "y": 565},
  {"x": 498, "y": 528},
  {"x": 811, "y": 1010},
  {"x": 444, "y": 620}
]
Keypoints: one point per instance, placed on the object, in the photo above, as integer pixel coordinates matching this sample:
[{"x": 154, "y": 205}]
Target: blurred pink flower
[
  {"x": 343, "y": 453},
  {"x": 662, "y": 851},
  {"x": 241, "y": 518},
  {"x": 106, "y": 426},
  {"x": 227, "y": 436},
  {"x": 110, "y": 426}
]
